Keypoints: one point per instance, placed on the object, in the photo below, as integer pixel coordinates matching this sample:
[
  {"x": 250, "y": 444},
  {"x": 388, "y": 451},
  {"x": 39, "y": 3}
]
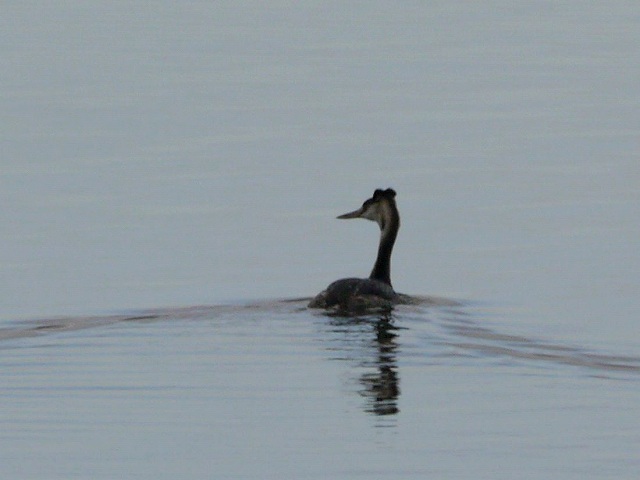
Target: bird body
[{"x": 354, "y": 294}]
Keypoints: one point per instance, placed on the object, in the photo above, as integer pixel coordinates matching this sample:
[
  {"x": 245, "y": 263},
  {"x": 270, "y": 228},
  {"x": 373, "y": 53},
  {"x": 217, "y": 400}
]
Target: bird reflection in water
[
  {"x": 371, "y": 342},
  {"x": 381, "y": 388}
]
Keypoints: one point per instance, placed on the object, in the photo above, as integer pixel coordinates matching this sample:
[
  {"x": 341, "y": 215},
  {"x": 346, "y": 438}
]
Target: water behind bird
[{"x": 164, "y": 153}]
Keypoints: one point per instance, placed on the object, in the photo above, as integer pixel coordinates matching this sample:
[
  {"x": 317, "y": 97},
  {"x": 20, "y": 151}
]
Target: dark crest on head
[{"x": 388, "y": 193}]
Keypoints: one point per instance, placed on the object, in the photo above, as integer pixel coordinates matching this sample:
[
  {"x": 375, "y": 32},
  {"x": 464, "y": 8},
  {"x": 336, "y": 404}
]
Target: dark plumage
[{"x": 353, "y": 294}]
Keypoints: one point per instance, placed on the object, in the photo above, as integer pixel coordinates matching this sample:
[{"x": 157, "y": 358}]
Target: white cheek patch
[{"x": 371, "y": 213}]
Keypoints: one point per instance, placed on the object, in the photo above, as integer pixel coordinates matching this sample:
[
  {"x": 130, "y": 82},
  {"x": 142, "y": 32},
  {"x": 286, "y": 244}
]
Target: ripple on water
[{"x": 447, "y": 324}]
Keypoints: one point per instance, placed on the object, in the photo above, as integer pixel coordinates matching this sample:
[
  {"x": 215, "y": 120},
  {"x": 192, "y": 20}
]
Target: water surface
[
  {"x": 273, "y": 390},
  {"x": 158, "y": 157}
]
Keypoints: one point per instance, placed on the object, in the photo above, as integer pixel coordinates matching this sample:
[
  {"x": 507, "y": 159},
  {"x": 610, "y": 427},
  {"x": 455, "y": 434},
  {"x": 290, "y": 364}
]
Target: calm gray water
[{"x": 161, "y": 156}]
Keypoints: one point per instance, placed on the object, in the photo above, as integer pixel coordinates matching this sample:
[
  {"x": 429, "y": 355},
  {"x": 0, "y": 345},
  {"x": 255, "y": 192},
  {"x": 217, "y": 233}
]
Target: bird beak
[{"x": 355, "y": 214}]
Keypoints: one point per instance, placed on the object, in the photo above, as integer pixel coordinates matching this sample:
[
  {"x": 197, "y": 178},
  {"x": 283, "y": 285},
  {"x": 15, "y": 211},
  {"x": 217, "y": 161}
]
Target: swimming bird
[{"x": 375, "y": 292}]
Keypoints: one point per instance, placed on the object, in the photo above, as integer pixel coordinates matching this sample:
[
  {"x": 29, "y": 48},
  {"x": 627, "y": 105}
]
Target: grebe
[{"x": 354, "y": 294}]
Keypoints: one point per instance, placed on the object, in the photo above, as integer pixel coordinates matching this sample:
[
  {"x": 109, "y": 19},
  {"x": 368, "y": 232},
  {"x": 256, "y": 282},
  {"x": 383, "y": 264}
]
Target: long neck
[{"x": 389, "y": 230}]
